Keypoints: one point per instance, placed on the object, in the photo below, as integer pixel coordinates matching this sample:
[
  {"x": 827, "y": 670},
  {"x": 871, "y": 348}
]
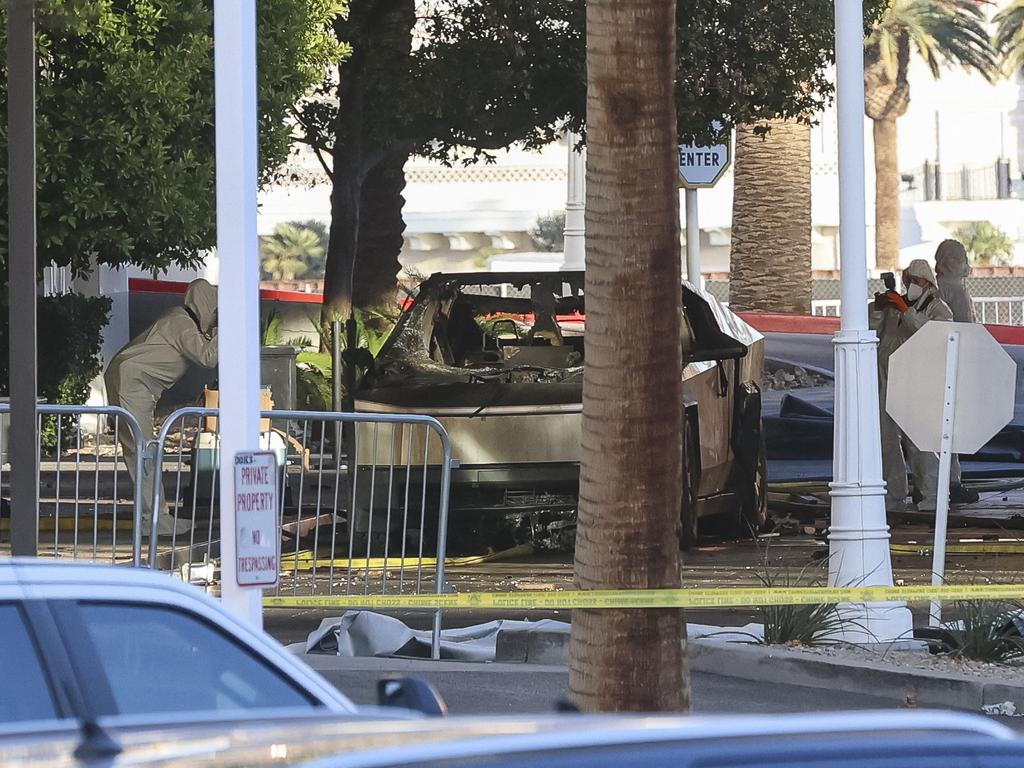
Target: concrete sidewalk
[
  {"x": 777, "y": 665},
  {"x": 759, "y": 675}
]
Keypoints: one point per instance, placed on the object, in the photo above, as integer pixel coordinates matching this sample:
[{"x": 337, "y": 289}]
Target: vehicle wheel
[
  {"x": 691, "y": 482},
  {"x": 754, "y": 495}
]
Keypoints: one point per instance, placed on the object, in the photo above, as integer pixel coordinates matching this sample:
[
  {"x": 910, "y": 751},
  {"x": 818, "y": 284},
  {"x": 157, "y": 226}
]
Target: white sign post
[
  {"x": 951, "y": 388},
  {"x": 234, "y": 36},
  {"x": 699, "y": 168},
  {"x": 257, "y": 537}
]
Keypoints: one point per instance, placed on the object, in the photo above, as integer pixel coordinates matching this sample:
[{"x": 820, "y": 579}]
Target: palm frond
[
  {"x": 943, "y": 32},
  {"x": 1009, "y": 37}
]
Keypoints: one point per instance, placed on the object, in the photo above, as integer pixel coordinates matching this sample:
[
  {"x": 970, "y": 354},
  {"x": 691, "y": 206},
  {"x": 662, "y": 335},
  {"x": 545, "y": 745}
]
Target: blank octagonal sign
[{"x": 985, "y": 386}]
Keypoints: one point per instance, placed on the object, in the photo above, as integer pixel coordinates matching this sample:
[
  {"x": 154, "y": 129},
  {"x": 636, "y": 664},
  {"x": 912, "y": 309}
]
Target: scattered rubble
[
  {"x": 1010, "y": 673},
  {"x": 784, "y": 376}
]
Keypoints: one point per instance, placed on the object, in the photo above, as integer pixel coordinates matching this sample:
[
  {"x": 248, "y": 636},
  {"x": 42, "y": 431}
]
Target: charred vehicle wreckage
[{"x": 497, "y": 358}]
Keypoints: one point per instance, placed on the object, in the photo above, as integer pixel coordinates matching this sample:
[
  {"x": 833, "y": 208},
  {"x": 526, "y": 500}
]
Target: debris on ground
[
  {"x": 783, "y": 376},
  {"x": 1004, "y": 709},
  {"x": 953, "y": 665}
]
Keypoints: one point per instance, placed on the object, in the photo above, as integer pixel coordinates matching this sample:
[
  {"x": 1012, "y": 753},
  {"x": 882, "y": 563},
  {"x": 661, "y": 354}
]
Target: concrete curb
[
  {"x": 792, "y": 667},
  {"x": 533, "y": 646},
  {"x": 781, "y": 665}
]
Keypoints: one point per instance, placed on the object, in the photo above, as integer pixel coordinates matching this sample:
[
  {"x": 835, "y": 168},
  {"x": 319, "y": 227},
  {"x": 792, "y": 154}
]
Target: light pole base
[
  {"x": 859, "y": 535},
  {"x": 876, "y": 625}
]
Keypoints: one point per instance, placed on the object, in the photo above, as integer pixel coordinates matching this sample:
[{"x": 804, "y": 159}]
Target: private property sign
[
  {"x": 703, "y": 166},
  {"x": 257, "y": 540}
]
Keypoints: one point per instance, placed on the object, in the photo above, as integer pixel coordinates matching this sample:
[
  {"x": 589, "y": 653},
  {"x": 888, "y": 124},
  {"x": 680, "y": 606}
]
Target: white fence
[{"x": 998, "y": 310}]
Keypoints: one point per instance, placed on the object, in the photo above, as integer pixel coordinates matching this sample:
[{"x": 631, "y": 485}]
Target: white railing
[
  {"x": 1000, "y": 310},
  {"x": 825, "y": 307},
  {"x": 1004, "y": 310}
]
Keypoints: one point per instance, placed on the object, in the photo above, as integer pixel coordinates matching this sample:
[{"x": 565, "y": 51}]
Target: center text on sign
[{"x": 699, "y": 159}]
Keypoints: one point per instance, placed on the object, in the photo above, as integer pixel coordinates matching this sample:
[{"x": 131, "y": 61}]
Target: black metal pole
[
  {"x": 21, "y": 267},
  {"x": 336, "y": 365}
]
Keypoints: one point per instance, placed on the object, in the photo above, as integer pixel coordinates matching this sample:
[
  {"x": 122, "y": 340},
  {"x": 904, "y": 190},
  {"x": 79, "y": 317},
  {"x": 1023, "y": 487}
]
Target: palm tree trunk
[
  {"x": 631, "y": 477},
  {"x": 771, "y": 219},
  {"x": 887, "y": 196}
]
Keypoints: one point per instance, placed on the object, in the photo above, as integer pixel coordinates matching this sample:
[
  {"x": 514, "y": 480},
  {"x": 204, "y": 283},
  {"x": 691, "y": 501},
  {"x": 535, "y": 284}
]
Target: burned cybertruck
[{"x": 498, "y": 358}]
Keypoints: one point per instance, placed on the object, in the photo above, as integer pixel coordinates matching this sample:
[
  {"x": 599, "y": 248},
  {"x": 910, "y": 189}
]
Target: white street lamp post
[
  {"x": 234, "y": 35},
  {"x": 575, "y": 228},
  {"x": 693, "y": 274},
  {"x": 859, "y": 535}
]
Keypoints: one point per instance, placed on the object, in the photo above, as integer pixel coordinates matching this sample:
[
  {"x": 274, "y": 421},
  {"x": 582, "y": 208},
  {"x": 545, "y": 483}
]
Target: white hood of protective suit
[
  {"x": 921, "y": 269},
  {"x": 951, "y": 262},
  {"x": 201, "y": 300}
]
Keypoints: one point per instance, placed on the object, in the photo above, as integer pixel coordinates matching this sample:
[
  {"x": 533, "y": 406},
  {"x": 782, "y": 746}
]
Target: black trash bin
[{"x": 277, "y": 371}]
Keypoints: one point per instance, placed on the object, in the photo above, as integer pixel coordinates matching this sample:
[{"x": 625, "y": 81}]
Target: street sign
[
  {"x": 951, "y": 389},
  {"x": 701, "y": 167},
  {"x": 257, "y": 551},
  {"x": 985, "y": 385}
]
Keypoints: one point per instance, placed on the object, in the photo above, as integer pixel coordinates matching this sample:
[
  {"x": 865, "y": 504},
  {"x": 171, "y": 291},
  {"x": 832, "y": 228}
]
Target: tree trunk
[
  {"x": 346, "y": 195},
  {"x": 380, "y": 231},
  {"x": 631, "y": 476},
  {"x": 770, "y": 257},
  {"x": 887, "y": 196},
  {"x": 368, "y": 151},
  {"x": 886, "y": 98}
]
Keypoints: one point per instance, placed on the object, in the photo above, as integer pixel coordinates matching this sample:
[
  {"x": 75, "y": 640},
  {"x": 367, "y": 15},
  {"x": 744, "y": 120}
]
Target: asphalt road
[
  {"x": 530, "y": 689},
  {"x": 817, "y": 350},
  {"x": 526, "y": 688}
]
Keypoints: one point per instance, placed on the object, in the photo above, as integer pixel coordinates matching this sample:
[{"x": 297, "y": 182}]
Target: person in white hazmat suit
[
  {"x": 952, "y": 270},
  {"x": 896, "y": 318},
  {"x": 148, "y": 366}
]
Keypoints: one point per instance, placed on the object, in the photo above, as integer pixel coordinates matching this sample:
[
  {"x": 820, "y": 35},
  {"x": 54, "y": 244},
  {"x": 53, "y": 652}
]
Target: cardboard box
[{"x": 211, "y": 399}]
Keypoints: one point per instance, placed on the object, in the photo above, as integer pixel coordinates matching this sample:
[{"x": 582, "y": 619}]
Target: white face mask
[{"x": 914, "y": 292}]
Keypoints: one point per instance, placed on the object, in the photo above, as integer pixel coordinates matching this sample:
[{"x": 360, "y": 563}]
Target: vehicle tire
[
  {"x": 688, "y": 517},
  {"x": 750, "y": 470},
  {"x": 754, "y": 495}
]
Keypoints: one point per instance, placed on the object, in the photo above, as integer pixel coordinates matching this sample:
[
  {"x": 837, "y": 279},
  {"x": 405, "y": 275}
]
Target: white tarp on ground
[{"x": 364, "y": 633}]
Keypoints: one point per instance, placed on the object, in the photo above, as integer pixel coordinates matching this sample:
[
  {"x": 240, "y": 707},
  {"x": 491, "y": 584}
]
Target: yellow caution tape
[
  {"x": 977, "y": 548},
  {"x": 307, "y": 561},
  {"x": 659, "y": 598}
]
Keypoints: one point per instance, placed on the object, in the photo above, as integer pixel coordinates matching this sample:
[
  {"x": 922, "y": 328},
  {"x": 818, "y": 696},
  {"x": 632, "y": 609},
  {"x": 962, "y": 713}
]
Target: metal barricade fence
[
  {"x": 82, "y": 514},
  {"x": 369, "y": 521}
]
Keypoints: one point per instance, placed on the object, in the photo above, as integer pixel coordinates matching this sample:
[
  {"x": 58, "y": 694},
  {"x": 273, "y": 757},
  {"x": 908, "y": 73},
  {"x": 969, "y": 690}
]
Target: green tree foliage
[
  {"x": 481, "y": 76},
  {"x": 1009, "y": 36},
  {"x": 750, "y": 61},
  {"x": 987, "y": 245},
  {"x": 549, "y": 232},
  {"x": 71, "y": 324},
  {"x": 125, "y": 122},
  {"x": 942, "y": 32},
  {"x": 295, "y": 250},
  {"x": 485, "y": 74}
]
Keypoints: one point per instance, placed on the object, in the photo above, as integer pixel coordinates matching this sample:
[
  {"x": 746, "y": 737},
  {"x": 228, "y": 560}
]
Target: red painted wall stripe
[{"x": 145, "y": 285}]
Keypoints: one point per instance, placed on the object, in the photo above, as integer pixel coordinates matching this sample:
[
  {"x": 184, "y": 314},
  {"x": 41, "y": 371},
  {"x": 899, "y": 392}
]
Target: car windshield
[{"x": 539, "y": 323}]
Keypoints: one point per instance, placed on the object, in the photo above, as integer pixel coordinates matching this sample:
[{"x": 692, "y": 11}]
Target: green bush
[
  {"x": 68, "y": 339},
  {"x": 986, "y": 244},
  {"x": 987, "y": 631}
]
